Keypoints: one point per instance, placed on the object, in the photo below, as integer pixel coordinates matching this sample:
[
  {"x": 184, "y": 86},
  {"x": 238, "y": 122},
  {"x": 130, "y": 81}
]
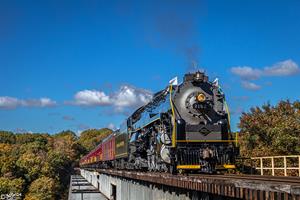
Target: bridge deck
[{"x": 236, "y": 186}]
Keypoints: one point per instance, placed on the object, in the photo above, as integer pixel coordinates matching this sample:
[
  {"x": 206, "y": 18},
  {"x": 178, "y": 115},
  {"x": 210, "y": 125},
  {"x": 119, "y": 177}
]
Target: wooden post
[
  {"x": 284, "y": 160},
  {"x": 261, "y": 166},
  {"x": 273, "y": 170}
]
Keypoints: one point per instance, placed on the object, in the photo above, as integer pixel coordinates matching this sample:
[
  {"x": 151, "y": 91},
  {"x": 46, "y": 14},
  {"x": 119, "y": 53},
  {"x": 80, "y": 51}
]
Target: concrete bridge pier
[{"x": 117, "y": 188}]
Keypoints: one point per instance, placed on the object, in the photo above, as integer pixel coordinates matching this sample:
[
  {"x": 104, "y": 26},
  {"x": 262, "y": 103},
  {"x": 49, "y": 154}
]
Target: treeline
[{"x": 39, "y": 165}]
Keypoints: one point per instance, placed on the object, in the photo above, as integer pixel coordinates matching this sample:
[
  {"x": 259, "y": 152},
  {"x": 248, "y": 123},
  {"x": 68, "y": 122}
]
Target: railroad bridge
[{"x": 132, "y": 185}]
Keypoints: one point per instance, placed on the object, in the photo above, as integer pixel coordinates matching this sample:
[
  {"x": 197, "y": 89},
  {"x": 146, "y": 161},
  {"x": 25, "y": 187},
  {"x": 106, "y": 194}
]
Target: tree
[
  {"x": 66, "y": 133},
  {"x": 8, "y": 159},
  {"x": 7, "y": 137},
  {"x": 42, "y": 188},
  {"x": 65, "y": 142},
  {"x": 23, "y": 138},
  {"x": 11, "y": 186},
  {"x": 89, "y": 139},
  {"x": 31, "y": 164},
  {"x": 271, "y": 130}
]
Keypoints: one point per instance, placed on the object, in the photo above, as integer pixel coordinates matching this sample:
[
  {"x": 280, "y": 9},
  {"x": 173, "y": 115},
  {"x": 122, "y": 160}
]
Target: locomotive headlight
[{"x": 201, "y": 97}]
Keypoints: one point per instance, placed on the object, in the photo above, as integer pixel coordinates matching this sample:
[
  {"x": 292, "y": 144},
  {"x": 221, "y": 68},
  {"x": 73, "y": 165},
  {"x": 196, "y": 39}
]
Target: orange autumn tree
[{"x": 271, "y": 130}]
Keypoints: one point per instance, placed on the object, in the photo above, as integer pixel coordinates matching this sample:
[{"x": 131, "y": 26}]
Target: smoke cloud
[{"x": 176, "y": 29}]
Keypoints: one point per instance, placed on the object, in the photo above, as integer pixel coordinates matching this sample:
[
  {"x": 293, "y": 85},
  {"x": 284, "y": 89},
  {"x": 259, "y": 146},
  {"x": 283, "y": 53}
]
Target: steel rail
[
  {"x": 279, "y": 179},
  {"x": 283, "y": 179}
]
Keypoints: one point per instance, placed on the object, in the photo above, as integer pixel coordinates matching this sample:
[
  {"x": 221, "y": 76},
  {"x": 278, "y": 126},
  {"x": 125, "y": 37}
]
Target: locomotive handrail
[
  {"x": 173, "y": 117},
  {"x": 285, "y": 167}
]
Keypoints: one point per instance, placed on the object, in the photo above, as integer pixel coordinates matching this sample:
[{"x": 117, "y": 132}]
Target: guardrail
[{"x": 285, "y": 168}]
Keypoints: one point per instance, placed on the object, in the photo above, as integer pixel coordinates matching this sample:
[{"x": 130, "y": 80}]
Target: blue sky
[{"x": 87, "y": 64}]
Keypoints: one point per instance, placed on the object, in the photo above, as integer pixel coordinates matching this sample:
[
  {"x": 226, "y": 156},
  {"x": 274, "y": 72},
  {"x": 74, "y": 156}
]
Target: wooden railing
[{"x": 272, "y": 166}]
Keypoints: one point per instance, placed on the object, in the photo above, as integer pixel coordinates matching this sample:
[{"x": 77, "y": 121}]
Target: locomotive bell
[{"x": 199, "y": 76}]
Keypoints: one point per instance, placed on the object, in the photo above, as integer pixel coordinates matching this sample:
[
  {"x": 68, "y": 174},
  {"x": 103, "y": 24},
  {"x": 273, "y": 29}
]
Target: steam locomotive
[{"x": 185, "y": 127}]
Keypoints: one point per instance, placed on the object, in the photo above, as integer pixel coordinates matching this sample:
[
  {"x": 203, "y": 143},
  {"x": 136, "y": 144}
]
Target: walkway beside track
[{"x": 81, "y": 189}]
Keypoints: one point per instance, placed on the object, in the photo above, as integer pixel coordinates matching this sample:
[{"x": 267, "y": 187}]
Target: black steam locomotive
[{"x": 185, "y": 127}]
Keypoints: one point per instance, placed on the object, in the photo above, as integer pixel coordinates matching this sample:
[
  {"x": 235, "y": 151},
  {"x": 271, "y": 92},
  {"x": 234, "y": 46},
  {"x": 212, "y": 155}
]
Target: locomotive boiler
[{"x": 186, "y": 127}]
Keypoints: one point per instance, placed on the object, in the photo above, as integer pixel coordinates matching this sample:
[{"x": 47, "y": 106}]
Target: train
[{"x": 184, "y": 128}]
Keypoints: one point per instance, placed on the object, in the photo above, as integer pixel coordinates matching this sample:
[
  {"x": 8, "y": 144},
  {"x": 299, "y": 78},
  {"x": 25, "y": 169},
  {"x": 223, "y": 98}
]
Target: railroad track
[
  {"x": 277, "y": 179},
  {"x": 235, "y": 186}
]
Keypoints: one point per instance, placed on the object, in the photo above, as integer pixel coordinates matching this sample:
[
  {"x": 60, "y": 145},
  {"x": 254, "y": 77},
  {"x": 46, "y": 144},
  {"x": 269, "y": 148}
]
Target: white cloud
[
  {"x": 284, "y": 68},
  {"x": 9, "y": 102},
  {"x": 126, "y": 97},
  {"x": 42, "y": 102},
  {"x": 91, "y": 98},
  {"x": 250, "y": 86},
  {"x": 245, "y": 72},
  {"x": 129, "y": 96},
  {"x": 12, "y": 103}
]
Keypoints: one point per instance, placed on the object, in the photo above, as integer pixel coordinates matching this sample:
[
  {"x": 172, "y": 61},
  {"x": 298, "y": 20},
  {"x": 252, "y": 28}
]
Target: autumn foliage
[
  {"x": 39, "y": 165},
  {"x": 271, "y": 130}
]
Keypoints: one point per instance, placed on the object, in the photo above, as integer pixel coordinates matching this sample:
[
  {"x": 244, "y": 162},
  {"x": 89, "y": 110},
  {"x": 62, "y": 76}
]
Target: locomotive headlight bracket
[{"x": 201, "y": 97}]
